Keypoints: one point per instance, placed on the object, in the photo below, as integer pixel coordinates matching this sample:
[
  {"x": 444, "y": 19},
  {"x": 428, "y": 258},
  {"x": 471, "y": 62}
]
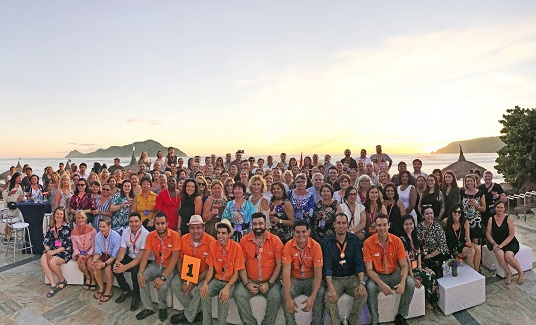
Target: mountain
[
  {"x": 478, "y": 145},
  {"x": 150, "y": 146}
]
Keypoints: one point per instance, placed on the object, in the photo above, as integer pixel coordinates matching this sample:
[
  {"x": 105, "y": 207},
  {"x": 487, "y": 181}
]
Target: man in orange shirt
[
  {"x": 224, "y": 260},
  {"x": 195, "y": 244},
  {"x": 166, "y": 245},
  {"x": 387, "y": 268},
  {"x": 262, "y": 252},
  {"x": 302, "y": 274}
]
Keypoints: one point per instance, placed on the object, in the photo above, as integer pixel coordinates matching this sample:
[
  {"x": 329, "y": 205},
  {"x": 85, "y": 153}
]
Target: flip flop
[
  {"x": 105, "y": 298},
  {"x": 54, "y": 291},
  {"x": 98, "y": 294}
]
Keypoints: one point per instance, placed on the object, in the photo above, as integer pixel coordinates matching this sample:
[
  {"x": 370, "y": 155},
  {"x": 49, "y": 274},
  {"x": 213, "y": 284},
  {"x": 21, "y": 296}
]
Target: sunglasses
[
  {"x": 80, "y": 184},
  {"x": 458, "y": 211},
  {"x": 201, "y": 184}
]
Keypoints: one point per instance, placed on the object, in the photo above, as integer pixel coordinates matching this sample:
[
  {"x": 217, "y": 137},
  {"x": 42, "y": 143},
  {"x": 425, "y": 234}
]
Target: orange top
[
  {"x": 200, "y": 252},
  {"x": 260, "y": 261},
  {"x": 225, "y": 263},
  {"x": 384, "y": 261},
  {"x": 303, "y": 261},
  {"x": 162, "y": 248}
]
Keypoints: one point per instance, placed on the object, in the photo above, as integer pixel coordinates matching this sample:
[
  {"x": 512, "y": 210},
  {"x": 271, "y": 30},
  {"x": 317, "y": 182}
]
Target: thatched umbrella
[
  {"x": 462, "y": 167},
  {"x": 133, "y": 162}
]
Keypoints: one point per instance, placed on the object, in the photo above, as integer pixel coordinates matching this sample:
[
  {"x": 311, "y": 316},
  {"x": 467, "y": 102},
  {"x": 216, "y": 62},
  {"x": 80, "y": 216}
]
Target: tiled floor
[{"x": 23, "y": 301}]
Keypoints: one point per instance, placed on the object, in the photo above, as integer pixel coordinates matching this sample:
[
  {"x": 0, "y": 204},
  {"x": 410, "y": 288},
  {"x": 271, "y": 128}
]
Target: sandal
[
  {"x": 98, "y": 294},
  {"x": 105, "y": 298},
  {"x": 54, "y": 290},
  {"x": 63, "y": 283}
]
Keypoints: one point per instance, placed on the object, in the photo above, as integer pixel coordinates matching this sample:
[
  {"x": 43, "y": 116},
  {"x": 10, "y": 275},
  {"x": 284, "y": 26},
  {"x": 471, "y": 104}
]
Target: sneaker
[
  {"x": 177, "y": 318},
  {"x": 162, "y": 314}
]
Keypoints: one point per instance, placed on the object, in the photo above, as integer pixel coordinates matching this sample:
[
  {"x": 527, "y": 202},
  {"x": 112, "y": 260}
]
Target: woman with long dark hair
[
  {"x": 81, "y": 199},
  {"x": 281, "y": 213},
  {"x": 395, "y": 209},
  {"x": 121, "y": 206},
  {"x": 12, "y": 195},
  {"x": 433, "y": 242},
  {"x": 191, "y": 203},
  {"x": 373, "y": 207},
  {"x": 458, "y": 235},
  {"x": 473, "y": 205},
  {"x": 433, "y": 197},
  {"x": 419, "y": 274},
  {"x": 450, "y": 190}
]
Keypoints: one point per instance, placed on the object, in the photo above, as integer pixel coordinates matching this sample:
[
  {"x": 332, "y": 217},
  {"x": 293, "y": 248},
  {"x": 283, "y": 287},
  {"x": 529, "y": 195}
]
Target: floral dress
[
  {"x": 120, "y": 217},
  {"x": 56, "y": 238},
  {"x": 323, "y": 219},
  {"x": 425, "y": 275},
  {"x": 433, "y": 238},
  {"x": 303, "y": 206},
  {"x": 472, "y": 215},
  {"x": 283, "y": 232}
]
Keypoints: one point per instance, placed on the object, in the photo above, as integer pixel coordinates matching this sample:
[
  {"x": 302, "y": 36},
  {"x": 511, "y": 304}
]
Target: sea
[{"x": 430, "y": 161}]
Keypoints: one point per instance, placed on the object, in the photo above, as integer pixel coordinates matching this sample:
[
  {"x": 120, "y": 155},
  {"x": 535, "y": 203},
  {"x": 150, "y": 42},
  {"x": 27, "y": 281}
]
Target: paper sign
[{"x": 190, "y": 268}]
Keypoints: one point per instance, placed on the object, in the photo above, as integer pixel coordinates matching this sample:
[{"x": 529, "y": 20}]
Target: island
[
  {"x": 150, "y": 146},
  {"x": 478, "y": 145}
]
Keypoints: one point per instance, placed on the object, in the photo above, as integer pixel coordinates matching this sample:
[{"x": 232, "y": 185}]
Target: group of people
[{"x": 275, "y": 229}]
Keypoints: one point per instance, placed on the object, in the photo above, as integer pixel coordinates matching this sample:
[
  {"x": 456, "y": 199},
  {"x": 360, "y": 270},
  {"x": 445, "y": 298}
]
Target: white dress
[
  {"x": 353, "y": 220},
  {"x": 258, "y": 208},
  {"x": 404, "y": 196}
]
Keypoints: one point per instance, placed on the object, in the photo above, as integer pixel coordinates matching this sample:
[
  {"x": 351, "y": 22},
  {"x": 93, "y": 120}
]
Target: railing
[{"x": 521, "y": 196}]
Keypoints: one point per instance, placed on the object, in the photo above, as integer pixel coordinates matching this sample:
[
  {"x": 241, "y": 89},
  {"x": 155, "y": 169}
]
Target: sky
[{"x": 266, "y": 77}]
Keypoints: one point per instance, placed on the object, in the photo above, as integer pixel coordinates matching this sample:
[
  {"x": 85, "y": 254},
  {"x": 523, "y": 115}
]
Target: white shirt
[{"x": 127, "y": 241}]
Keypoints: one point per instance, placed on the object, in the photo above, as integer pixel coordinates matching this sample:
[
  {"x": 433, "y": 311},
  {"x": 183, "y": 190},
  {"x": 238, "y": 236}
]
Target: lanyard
[
  {"x": 161, "y": 248},
  {"x": 258, "y": 256},
  {"x": 104, "y": 240},
  {"x": 302, "y": 261},
  {"x": 457, "y": 234},
  {"x": 341, "y": 250},
  {"x": 223, "y": 260},
  {"x": 133, "y": 242}
]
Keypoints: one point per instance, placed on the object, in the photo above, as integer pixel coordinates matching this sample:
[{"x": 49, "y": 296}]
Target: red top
[{"x": 170, "y": 207}]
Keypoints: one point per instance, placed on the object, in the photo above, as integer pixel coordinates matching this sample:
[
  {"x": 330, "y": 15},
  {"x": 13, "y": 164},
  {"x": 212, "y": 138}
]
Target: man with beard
[
  {"x": 386, "y": 264},
  {"x": 133, "y": 239},
  {"x": 262, "y": 252},
  {"x": 225, "y": 260},
  {"x": 196, "y": 244},
  {"x": 344, "y": 270},
  {"x": 302, "y": 274},
  {"x": 348, "y": 159},
  {"x": 165, "y": 244}
]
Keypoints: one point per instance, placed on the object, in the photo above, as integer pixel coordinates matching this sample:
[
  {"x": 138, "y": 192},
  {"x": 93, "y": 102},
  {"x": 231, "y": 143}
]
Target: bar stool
[
  {"x": 46, "y": 222},
  {"x": 20, "y": 228},
  {"x": 7, "y": 220}
]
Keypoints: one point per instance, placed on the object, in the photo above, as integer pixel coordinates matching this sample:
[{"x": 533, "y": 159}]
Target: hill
[
  {"x": 478, "y": 145},
  {"x": 150, "y": 146}
]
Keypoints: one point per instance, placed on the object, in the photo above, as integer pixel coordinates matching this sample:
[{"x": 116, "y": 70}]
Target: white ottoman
[
  {"x": 524, "y": 257},
  {"x": 71, "y": 273},
  {"x": 466, "y": 290}
]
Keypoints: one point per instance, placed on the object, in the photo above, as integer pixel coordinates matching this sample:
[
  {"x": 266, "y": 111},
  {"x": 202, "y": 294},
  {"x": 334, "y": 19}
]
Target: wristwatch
[
  {"x": 362, "y": 282},
  {"x": 163, "y": 278}
]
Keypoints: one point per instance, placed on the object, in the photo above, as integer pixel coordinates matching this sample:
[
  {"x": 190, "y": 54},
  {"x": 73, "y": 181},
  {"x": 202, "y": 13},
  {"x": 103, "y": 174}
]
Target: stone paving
[{"x": 23, "y": 298}]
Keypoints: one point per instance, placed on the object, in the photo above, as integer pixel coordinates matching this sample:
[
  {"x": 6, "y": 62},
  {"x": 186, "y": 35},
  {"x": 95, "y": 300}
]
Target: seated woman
[
  {"x": 501, "y": 237},
  {"x": 433, "y": 242},
  {"x": 457, "y": 231},
  {"x": 12, "y": 195},
  {"x": 83, "y": 238},
  {"x": 420, "y": 275},
  {"x": 58, "y": 250},
  {"x": 107, "y": 243}
]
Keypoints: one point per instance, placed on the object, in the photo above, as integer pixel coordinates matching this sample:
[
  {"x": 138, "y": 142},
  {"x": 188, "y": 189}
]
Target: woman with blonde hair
[
  {"x": 228, "y": 188},
  {"x": 83, "y": 238},
  {"x": 92, "y": 177},
  {"x": 63, "y": 195},
  {"x": 257, "y": 186},
  {"x": 104, "y": 175}
]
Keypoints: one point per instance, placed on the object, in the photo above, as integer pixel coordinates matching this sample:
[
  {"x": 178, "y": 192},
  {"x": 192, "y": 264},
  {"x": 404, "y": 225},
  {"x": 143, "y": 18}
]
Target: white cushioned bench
[
  {"x": 71, "y": 273},
  {"x": 524, "y": 257}
]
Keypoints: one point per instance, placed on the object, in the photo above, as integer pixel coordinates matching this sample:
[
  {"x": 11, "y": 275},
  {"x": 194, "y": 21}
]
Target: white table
[{"x": 466, "y": 290}]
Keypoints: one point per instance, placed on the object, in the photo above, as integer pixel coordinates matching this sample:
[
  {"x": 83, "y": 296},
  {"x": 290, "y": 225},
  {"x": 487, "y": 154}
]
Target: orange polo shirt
[
  {"x": 302, "y": 262},
  {"x": 260, "y": 261},
  {"x": 162, "y": 248},
  {"x": 200, "y": 252},
  {"x": 225, "y": 265},
  {"x": 384, "y": 261}
]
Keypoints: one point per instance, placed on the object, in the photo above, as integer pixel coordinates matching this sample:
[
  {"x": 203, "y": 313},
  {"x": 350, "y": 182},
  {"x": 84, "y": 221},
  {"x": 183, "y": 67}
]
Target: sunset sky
[{"x": 214, "y": 76}]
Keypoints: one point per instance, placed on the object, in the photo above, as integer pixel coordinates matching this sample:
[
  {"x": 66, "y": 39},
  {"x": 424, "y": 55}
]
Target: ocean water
[{"x": 430, "y": 161}]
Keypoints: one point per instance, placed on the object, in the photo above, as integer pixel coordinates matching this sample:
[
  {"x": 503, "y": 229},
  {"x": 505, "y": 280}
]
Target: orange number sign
[{"x": 190, "y": 268}]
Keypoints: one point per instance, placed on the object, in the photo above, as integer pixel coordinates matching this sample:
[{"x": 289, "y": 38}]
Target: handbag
[{"x": 12, "y": 205}]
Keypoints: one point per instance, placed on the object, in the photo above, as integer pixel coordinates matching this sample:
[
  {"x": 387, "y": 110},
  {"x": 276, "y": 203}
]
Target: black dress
[
  {"x": 186, "y": 211},
  {"x": 396, "y": 227},
  {"x": 499, "y": 234},
  {"x": 455, "y": 240},
  {"x": 435, "y": 200}
]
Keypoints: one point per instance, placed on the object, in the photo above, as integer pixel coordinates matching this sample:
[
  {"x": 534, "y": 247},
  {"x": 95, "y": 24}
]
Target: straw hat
[
  {"x": 227, "y": 224},
  {"x": 195, "y": 220}
]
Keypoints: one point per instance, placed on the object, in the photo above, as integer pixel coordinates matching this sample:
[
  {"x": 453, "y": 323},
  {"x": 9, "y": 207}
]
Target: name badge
[
  {"x": 83, "y": 252},
  {"x": 322, "y": 223},
  {"x": 57, "y": 243},
  {"x": 376, "y": 254},
  {"x": 238, "y": 227},
  {"x": 299, "y": 215},
  {"x": 146, "y": 212}
]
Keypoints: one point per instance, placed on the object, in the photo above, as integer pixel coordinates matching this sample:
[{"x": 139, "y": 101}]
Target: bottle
[
  {"x": 493, "y": 270},
  {"x": 445, "y": 268},
  {"x": 345, "y": 321}
]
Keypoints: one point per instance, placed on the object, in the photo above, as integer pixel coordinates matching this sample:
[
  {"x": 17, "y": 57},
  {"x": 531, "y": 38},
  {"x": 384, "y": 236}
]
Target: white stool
[
  {"x": 524, "y": 257},
  {"x": 20, "y": 228},
  {"x": 7, "y": 221}
]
